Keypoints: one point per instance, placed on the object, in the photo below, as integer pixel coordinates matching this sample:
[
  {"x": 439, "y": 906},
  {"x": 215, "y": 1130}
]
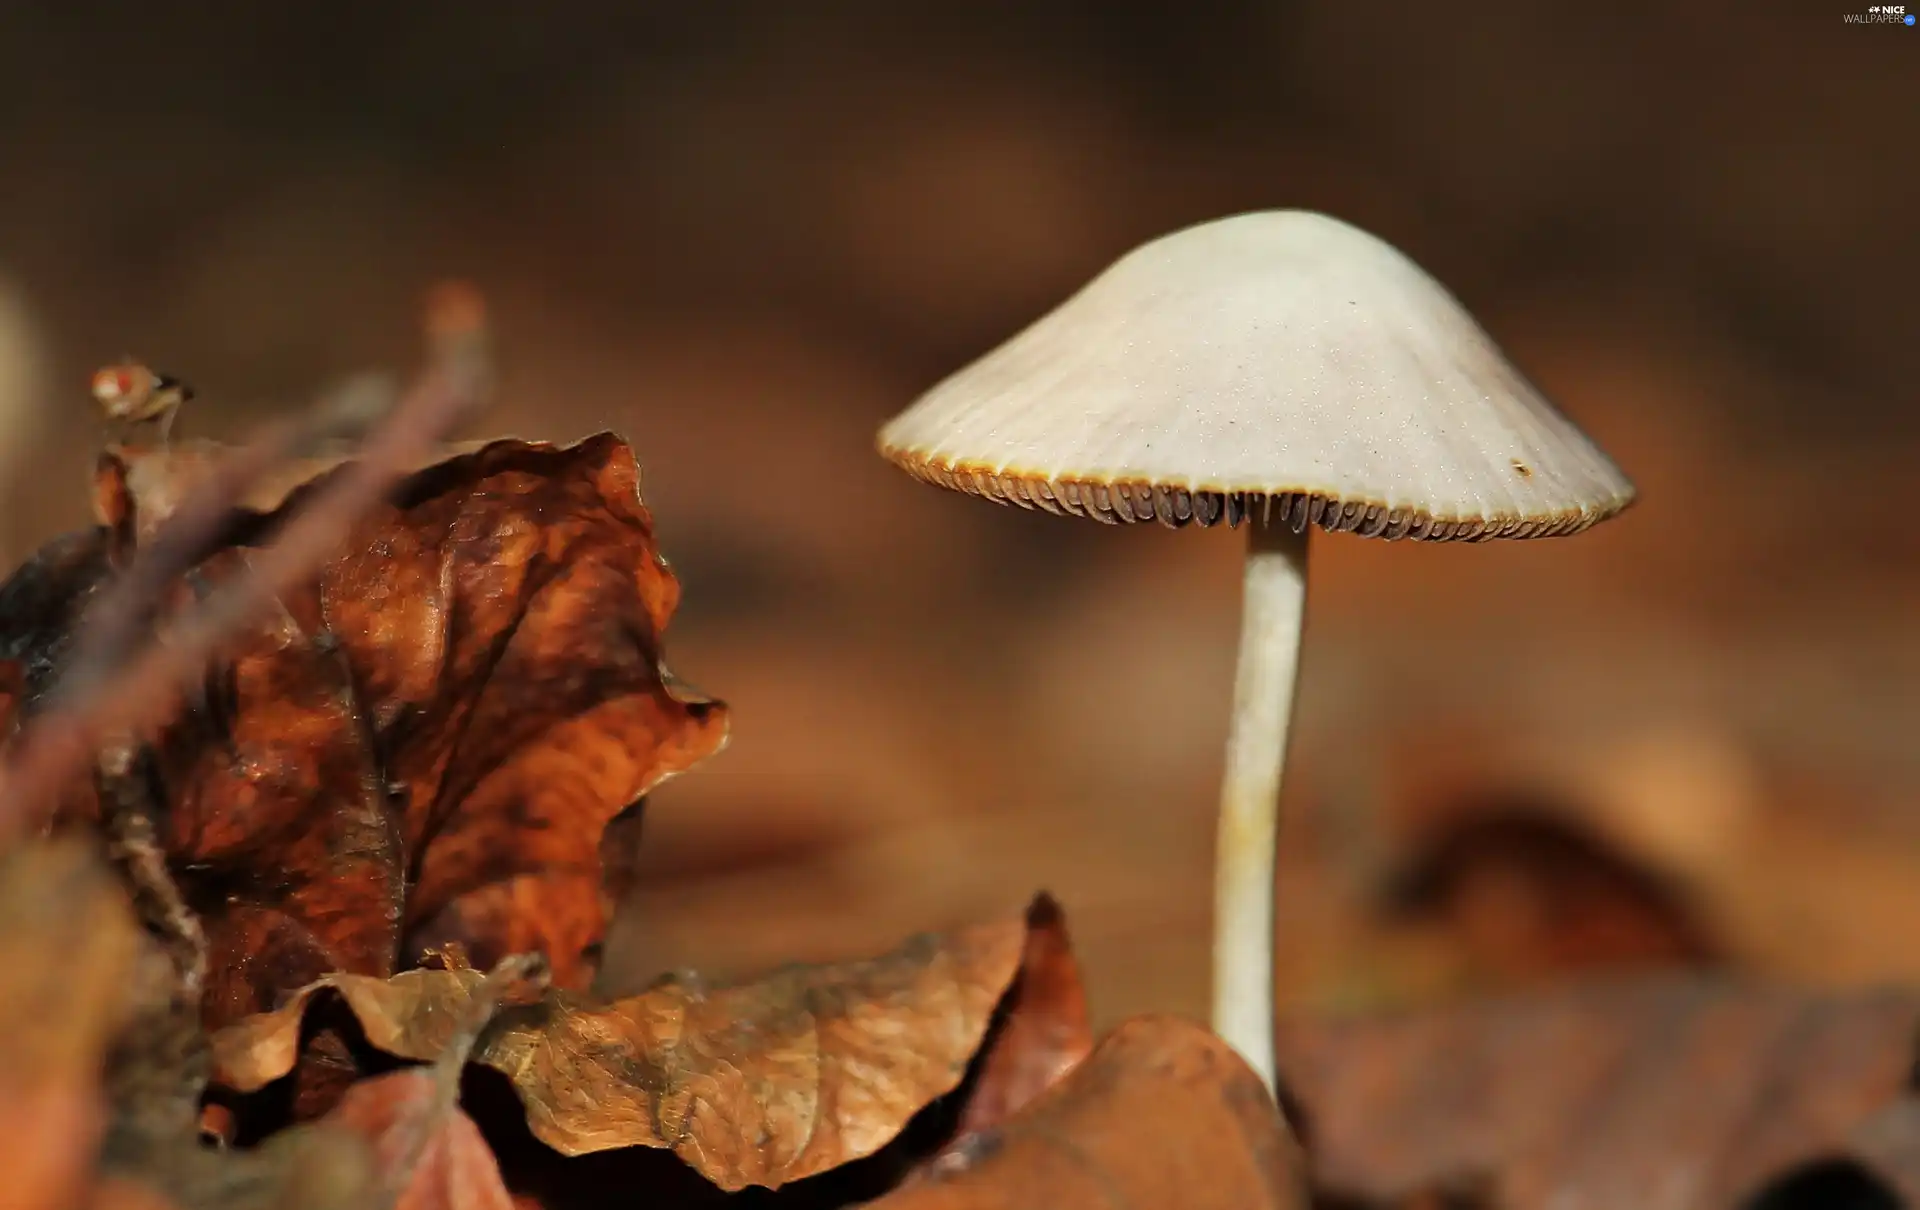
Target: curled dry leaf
[
  {"x": 314, "y": 1167},
  {"x": 152, "y": 1149},
  {"x": 421, "y": 1137},
  {"x": 401, "y": 1135},
  {"x": 424, "y": 743},
  {"x": 12, "y": 689},
  {"x": 75, "y": 1004},
  {"x": 121, "y": 686},
  {"x": 152, "y": 1146},
  {"x": 1162, "y": 1113},
  {"x": 429, "y": 1155},
  {"x": 1659, "y": 1093},
  {"x": 1878, "y": 1168},
  {"x": 757, "y": 1084},
  {"x": 68, "y": 943},
  {"x": 40, "y": 608},
  {"x": 114, "y": 1194},
  {"x": 1887, "y": 1145},
  {"x": 1044, "y": 1030},
  {"x": 1525, "y": 894},
  {"x": 136, "y": 489}
]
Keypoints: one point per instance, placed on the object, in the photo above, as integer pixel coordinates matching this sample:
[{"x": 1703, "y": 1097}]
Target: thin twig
[
  {"x": 59, "y": 744},
  {"x": 133, "y": 841},
  {"x": 115, "y": 624}
]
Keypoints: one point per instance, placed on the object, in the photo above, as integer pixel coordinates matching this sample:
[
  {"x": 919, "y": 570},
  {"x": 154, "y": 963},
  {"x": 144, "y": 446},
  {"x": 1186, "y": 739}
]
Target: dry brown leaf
[
  {"x": 1656, "y": 1093},
  {"x": 13, "y": 689},
  {"x": 502, "y": 623},
  {"x": 114, "y": 1194},
  {"x": 40, "y": 606},
  {"x": 1162, "y": 1113},
  {"x": 311, "y": 1167},
  {"x": 67, "y": 945},
  {"x": 424, "y": 745},
  {"x": 447, "y": 1163},
  {"x": 153, "y": 1078},
  {"x": 1887, "y": 1145},
  {"x": 1044, "y": 1029},
  {"x": 415, "y": 1015},
  {"x": 757, "y": 1084},
  {"x": 428, "y": 1153},
  {"x": 1877, "y": 1169},
  {"x": 70, "y": 1010},
  {"x": 1524, "y": 895},
  {"x": 138, "y": 488}
]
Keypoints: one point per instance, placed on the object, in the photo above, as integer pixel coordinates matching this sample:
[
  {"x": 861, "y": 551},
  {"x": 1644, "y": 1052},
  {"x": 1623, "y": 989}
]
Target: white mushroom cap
[{"x": 1280, "y": 363}]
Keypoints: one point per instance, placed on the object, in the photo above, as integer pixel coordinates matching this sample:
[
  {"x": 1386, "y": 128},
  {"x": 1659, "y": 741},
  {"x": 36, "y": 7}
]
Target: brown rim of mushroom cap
[{"x": 1127, "y": 502}]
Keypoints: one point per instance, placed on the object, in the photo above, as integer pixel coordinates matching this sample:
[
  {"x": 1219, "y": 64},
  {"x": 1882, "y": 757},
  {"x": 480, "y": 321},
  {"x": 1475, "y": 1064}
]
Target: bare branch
[
  {"x": 114, "y": 625},
  {"x": 113, "y": 695}
]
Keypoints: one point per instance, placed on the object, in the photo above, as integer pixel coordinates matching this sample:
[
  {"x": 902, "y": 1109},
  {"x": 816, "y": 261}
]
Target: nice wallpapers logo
[{"x": 1881, "y": 14}]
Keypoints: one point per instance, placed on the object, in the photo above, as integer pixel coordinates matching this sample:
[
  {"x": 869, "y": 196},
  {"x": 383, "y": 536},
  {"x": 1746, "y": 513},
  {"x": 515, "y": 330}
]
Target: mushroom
[{"x": 1286, "y": 370}]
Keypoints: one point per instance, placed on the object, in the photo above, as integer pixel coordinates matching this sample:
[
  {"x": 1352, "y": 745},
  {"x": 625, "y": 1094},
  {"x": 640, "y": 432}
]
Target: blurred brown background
[{"x": 744, "y": 234}]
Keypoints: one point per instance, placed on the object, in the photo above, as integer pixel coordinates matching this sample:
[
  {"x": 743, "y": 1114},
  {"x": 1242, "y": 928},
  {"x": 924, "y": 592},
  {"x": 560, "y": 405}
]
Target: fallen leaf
[
  {"x": 1888, "y": 1145},
  {"x": 428, "y": 1153},
  {"x": 423, "y": 746},
  {"x": 278, "y": 821},
  {"x": 72, "y": 1009},
  {"x": 448, "y": 1163},
  {"x": 762, "y": 1083},
  {"x": 311, "y": 1167},
  {"x": 112, "y": 1194},
  {"x": 1162, "y": 1113},
  {"x": 1525, "y": 895},
  {"x": 138, "y": 488},
  {"x": 13, "y": 689},
  {"x": 413, "y": 1015},
  {"x": 1041, "y": 1032},
  {"x": 152, "y": 1144},
  {"x": 1679, "y": 1091},
  {"x": 68, "y": 942},
  {"x": 1878, "y": 1168},
  {"x": 41, "y": 603},
  {"x": 1044, "y": 1029}
]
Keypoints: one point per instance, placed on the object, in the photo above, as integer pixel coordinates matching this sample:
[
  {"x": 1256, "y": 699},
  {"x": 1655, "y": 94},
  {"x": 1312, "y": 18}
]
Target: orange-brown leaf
[
  {"x": 67, "y": 948},
  {"x": 432, "y": 1155},
  {"x": 278, "y": 818},
  {"x": 1526, "y": 895},
  {"x": 414, "y": 1015},
  {"x": 13, "y": 689},
  {"x": 1887, "y": 1145},
  {"x": 425, "y": 743},
  {"x": 1044, "y": 1030},
  {"x": 154, "y": 1077},
  {"x": 136, "y": 489},
  {"x": 1670, "y": 1092},
  {"x": 504, "y": 622},
  {"x": 116, "y": 1194},
  {"x": 1162, "y": 1113},
  {"x": 40, "y": 604},
  {"x": 757, "y": 1084},
  {"x": 428, "y": 1154}
]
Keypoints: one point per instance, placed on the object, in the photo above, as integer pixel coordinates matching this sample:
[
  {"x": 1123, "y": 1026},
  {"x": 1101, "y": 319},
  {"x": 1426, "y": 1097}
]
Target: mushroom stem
[{"x": 1273, "y": 613}]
